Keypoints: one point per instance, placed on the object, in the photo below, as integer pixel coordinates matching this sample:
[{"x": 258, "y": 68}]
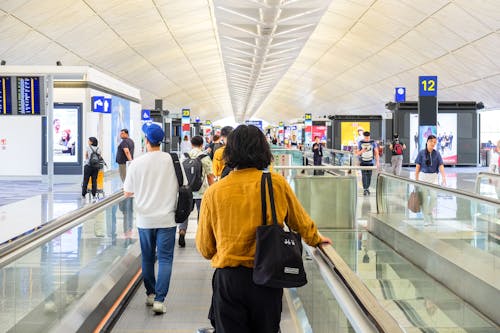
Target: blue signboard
[
  {"x": 146, "y": 115},
  {"x": 400, "y": 94},
  {"x": 107, "y": 106},
  {"x": 427, "y": 86},
  {"x": 5, "y": 97},
  {"x": 98, "y": 104},
  {"x": 256, "y": 123},
  {"x": 28, "y": 95}
]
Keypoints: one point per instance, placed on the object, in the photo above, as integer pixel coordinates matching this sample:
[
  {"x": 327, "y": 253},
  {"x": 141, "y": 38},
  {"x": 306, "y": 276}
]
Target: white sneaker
[
  {"x": 150, "y": 299},
  {"x": 159, "y": 307}
]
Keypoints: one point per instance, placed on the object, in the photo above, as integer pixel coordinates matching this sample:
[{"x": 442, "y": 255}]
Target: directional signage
[
  {"x": 428, "y": 85},
  {"x": 107, "y": 105},
  {"x": 256, "y": 123},
  {"x": 98, "y": 104},
  {"x": 5, "y": 97},
  {"x": 146, "y": 115},
  {"x": 400, "y": 95}
]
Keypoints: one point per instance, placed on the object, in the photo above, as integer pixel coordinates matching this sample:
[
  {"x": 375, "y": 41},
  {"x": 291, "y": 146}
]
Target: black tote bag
[{"x": 278, "y": 255}]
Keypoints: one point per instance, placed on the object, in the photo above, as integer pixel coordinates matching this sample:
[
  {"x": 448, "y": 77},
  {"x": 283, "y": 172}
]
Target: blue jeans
[
  {"x": 366, "y": 175},
  {"x": 155, "y": 241}
]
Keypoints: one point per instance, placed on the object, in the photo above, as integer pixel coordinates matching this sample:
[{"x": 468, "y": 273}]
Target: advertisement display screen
[
  {"x": 28, "y": 95},
  {"x": 445, "y": 132},
  {"x": 5, "y": 96},
  {"x": 319, "y": 131},
  {"x": 352, "y": 132},
  {"x": 65, "y": 133}
]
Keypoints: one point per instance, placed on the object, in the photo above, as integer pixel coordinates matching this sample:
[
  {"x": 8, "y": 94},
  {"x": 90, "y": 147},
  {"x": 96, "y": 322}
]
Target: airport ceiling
[{"x": 268, "y": 59}]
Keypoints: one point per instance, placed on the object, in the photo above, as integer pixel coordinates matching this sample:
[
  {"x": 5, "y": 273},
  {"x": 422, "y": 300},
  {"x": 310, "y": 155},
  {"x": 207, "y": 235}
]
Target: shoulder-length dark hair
[
  {"x": 247, "y": 147},
  {"x": 93, "y": 141}
]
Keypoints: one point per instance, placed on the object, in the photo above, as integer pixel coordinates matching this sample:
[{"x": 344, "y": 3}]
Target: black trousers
[
  {"x": 239, "y": 305},
  {"x": 89, "y": 172}
]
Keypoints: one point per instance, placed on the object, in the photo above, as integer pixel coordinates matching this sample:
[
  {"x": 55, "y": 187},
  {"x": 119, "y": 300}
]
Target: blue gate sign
[{"x": 427, "y": 86}]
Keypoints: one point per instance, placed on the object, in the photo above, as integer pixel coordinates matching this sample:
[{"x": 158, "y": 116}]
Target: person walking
[
  {"x": 317, "y": 155},
  {"x": 230, "y": 213},
  {"x": 427, "y": 165},
  {"x": 397, "y": 148},
  {"x": 124, "y": 153},
  {"x": 367, "y": 152},
  {"x": 152, "y": 181},
  {"x": 207, "y": 177},
  {"x": 89, "y": 171},
  {"x": 218, "y": 164}
]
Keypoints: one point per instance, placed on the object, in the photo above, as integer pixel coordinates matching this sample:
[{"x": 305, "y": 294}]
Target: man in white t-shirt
[{"x": 151, "y": 180}]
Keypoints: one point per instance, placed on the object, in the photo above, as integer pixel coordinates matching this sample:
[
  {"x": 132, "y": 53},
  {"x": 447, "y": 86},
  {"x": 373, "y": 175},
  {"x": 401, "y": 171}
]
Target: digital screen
[
  {"x": 319, "y": 131},
  {"x": 28, "y": 95},
  {"x": 352, "y": 132},
  {"x": 5, "y": 98},
  {"x": 445, "y": 132},
  {"x": 65, "y": 135}
]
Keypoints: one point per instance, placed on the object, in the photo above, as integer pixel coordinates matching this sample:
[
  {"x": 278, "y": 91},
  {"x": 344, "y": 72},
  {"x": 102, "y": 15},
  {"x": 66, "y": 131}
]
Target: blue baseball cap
[{"x": 154, "y": 133}]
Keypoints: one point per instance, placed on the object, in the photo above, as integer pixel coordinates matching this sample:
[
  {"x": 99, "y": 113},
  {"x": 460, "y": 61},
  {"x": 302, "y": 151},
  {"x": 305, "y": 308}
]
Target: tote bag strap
[{"x": 267, "y": 177}]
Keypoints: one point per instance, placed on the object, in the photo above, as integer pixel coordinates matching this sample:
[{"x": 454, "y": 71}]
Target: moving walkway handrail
[
  {"x": 447, "y": 190},
  {"x": 484, "y": 174},
  {"x": 20, "y": 246},
  {"x": 364, "y": 312}
]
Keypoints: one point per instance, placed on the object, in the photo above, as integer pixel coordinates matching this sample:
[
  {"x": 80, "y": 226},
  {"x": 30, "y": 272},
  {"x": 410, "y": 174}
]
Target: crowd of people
[{"x": 233, "y": 162}]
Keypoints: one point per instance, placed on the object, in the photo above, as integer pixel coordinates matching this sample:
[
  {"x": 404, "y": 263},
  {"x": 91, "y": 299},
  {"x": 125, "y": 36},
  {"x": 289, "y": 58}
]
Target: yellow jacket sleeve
[{"x": 218, "y": 162}]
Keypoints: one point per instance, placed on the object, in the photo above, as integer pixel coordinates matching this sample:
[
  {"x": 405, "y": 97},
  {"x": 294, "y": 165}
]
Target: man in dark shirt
[{"x": 124, "y": 153}]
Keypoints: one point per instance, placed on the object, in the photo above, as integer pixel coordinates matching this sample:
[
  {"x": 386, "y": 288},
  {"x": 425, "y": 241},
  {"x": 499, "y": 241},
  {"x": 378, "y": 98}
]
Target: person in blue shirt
[{"x": 428, "y": 163}]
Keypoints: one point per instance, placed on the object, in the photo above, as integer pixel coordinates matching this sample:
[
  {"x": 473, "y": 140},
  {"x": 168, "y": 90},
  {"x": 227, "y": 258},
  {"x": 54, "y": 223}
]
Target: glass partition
[
  {"x": 39, "y": 288},
  {"x": 453, "y": 235}
]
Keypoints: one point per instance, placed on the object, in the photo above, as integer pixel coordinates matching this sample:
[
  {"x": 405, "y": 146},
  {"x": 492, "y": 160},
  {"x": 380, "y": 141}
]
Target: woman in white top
[{"x": 88, "y": 170}]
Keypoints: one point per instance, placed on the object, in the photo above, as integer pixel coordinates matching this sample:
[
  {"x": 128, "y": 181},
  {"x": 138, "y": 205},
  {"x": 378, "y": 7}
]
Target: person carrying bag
[
  {"x": 230, "y": 214},
  {"x": 278, "y": 254}
]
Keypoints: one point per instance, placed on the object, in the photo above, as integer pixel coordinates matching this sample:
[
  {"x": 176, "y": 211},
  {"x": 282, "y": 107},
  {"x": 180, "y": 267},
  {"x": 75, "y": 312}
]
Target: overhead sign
[
  {"x": 400, "y": 95},
  {"x": 107, "y": 105},
  {"x": 5, "y": 96},
  {"x": 98, "y": 104},
  {"x": 427, "y": 86},
  {"x": 256, "y": 123},
  {"x": 146, "y": 115}
]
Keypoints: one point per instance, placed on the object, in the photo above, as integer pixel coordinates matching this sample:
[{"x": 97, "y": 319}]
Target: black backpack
[
  {"x": 95, "y": 160},
  {"x": 185, "y": 202},
  {"x": 193, "y": 168}
]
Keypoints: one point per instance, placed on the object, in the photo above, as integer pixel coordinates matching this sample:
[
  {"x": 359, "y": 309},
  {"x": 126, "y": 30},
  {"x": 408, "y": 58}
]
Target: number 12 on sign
[{"x": 427, "y": 85}]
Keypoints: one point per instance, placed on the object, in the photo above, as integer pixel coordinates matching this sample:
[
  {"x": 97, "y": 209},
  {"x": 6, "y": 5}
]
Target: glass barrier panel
[{"x": 39, "y": 288}]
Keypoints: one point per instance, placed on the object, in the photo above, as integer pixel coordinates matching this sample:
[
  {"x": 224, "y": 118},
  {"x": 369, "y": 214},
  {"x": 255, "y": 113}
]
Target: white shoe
[
  {"x": 50, "y": 307},
  {"x": 159, "y": 307},
  {"x": 150, "y": 299}
]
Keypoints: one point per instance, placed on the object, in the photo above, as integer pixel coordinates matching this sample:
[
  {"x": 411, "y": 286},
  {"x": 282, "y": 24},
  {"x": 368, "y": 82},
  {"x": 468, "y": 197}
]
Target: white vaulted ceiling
[{"x": 271, "y": 59}]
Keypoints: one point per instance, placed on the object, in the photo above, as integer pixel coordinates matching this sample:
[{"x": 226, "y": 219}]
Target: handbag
[
  {"x": 185, "y": 202},
  {"x": 278, "y": 256},
  {"x": 414, "y": 202}
]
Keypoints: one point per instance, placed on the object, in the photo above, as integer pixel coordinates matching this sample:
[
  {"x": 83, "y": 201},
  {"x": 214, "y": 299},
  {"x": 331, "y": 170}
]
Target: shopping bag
[
  {"x": 414, "y": 202},
  {"x": 278, "y": 256}
]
